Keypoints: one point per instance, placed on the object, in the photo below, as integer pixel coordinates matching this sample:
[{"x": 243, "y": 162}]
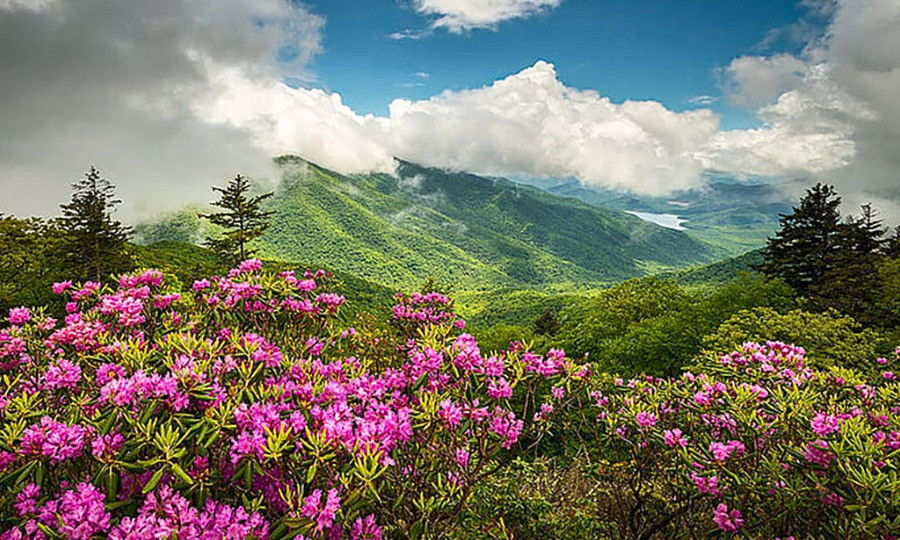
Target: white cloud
[
  {"x": 703, "y": 100},
  {"x": 530, "y": 122},
  {"x": 285, "y": 120},
  {"x": 409, "y": 34},
  {"x": 459, "y": 16},
  {"x": 831, "y": 113},
  {"x": 32, "y": 5},
  {"x": 113, "y": 83},
  {"x": 759, "y": 80},
  {"x": 826, "y": 114},
  {"x": 172, "y": 96}
]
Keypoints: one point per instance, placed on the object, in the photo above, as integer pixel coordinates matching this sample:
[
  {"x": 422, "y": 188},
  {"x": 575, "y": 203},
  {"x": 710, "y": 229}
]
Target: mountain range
[
  {"x": 728, "y": 215},
  {"x": 481, "y": 233},
  {"x": 459, "y": 228}
]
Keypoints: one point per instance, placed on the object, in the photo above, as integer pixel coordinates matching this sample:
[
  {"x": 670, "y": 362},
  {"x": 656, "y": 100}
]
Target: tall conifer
[
  {"x": 94, "y": 243},
  {"x": 804, "y": 248},
  {"x": 850, "y": 285},
  {"x": 243, "y": 220}
]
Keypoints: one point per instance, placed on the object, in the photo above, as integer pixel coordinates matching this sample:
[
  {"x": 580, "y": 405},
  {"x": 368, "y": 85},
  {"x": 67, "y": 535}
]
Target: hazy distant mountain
[{"x": 729, "y": 215}]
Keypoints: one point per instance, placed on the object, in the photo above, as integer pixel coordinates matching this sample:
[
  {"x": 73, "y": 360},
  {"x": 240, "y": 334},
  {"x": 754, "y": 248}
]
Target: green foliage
[
  {"x": 157, "y": 400},
  {"x": 477, "y": 233},
  {"x": 94, "y": 244},
  {"x": 719, "y": 272},
  {"x": 729, "y": 217},
  {"x": 185, "y": 226},
  {"x": 242, "y": 221},
  {"x": 830, "y": 338},
  {"x": 30, "y": 261},
  {"x": 534, "y": 500},
  {"x": 850, "y": 285},
  {"x": 803, "y": 249},
  {"x": 547, "y": 324},
  {"x": 887, "y": 299},
  {"x": 499, "y": 336},
  {"x": 184, "y": 260},
  {"x": 829, "y": 262},
  {"x": 188, "y": 262},
  {"x": 752, "y": 443},
  {"x": 654, "y": 325}
]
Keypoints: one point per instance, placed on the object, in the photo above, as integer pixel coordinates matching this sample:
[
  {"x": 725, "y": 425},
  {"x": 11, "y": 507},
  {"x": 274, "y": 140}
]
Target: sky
[{"x": 170, "y": 97}]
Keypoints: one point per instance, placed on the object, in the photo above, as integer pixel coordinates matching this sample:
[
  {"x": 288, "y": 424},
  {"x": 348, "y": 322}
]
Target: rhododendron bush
[
  {"x": 244, "y": 407},
  {"x": 756, "y": 443}
]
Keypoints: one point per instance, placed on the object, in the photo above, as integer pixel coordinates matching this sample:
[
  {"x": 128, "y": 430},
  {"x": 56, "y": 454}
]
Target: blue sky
[
  {"x": 666, "y": 50},
  {"x": 172, "y": 97}
]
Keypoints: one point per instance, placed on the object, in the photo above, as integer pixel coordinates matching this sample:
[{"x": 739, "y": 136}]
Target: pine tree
[
  {"x": 242, "y": 219},
  {"x": 891, "y": 246},
  {"x": 803, "y": 250},
  {"x": 850, "y": 286},
  {"x": 95, "y": 244},
  {"x": 547, "y": 323}
]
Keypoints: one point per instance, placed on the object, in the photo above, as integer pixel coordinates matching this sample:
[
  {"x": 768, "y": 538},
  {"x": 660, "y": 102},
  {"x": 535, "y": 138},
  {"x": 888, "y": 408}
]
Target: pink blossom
[
  {"x": 824, "y": 424},
  {"x": 708, "y": 485},
  {"x": 817, "y": 452},
  {"x": 727, "y": 521},
  {"x": 645, "y": 419},
  {"x": 365, "y": 529},
  {"x": 55, "y": 440},
  {"x": 61, "y": 287},
  {"x": 673, "y": 438},
  {"x": 19, "y": 315}
]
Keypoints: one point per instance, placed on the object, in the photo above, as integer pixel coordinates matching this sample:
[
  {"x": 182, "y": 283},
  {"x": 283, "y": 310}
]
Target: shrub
[
  {"x": 755, "y": 443},
  {"x": 829, "y": 338},
  {"x": 240, "y": 409}
]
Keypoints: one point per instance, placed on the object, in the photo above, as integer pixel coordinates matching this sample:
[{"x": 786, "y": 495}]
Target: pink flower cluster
[
  {"x": 54, "y": 440},
  {"x": 187, "y": 407}
]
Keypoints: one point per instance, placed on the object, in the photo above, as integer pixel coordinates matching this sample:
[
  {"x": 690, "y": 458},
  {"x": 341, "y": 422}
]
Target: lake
[{"x": 670, "y": 221}]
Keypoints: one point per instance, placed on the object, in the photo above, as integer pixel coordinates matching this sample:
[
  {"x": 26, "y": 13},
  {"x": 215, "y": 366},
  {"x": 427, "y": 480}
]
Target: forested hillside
[
  {"x": 730, "y": 216},
  {"x": 476, "y": 232}
]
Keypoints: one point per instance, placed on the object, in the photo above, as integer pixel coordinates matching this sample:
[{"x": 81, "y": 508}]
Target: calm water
[{"x": 670, "y": 221}]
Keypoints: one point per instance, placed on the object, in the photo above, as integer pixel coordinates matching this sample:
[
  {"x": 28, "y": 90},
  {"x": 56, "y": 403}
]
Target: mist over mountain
[
  {"x": 728, "y": 214},
  {"x": 473, "y": 231}
]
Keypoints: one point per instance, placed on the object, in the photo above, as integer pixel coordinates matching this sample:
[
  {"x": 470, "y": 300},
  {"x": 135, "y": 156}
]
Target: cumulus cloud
[
  {"x": 172, "y": 96},
  {"x": 758, "y": 80},
  {"x": 531, "y": 122},
  {"x": 114, "y": 83},
  {"x": 284, "y": 120},
  {"x": 831, "y": 113},
  {"x": 528, "y": 122},
  {"x": 459, "y": 16}
]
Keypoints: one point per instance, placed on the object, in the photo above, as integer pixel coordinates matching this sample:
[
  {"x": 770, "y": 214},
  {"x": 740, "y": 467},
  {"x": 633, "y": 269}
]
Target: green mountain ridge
[
  {"x": 468, "y": 231},
  {"x": 730, "y": 216}
]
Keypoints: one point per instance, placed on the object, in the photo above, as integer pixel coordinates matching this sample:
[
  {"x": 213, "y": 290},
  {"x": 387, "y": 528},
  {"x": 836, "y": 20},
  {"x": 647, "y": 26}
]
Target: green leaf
[
  {"x": 157, "y": 476},
  {"x": 179, "y": 472}
]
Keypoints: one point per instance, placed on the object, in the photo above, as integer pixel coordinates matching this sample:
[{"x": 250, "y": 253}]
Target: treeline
[
  {"x": 86, "y": 243},
  {"x": 828, "y": 283},
  {"x": 835, "y": 262}
]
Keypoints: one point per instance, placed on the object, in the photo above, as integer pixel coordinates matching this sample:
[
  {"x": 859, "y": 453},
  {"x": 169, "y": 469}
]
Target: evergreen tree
[
  {"x": 803, "y": 250},
  {"x": 851, "y": 284},
  {"x": 242, "y": 219},
  {"x": 95, "y": 244},
  {"x": 547, "y": 323},
  {"x": 891, "y": 246}
]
